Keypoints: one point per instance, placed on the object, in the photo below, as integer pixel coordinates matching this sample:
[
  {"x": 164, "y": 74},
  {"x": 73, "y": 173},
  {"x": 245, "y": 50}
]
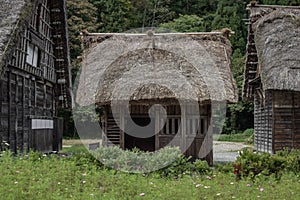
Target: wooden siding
[
  {"x": 277, "y": 121},
  {"x": 174, "y": 132},
  {"x": 263, "y": 122},
  {"x": 28, "y": 91},
  {"x": 286, "y": 120}
]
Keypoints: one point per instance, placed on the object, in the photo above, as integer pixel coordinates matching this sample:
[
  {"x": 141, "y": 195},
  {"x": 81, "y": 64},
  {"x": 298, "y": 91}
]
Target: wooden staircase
[
  {"x": 252, "y": 68},
  {"x": 113, "y": 132}
]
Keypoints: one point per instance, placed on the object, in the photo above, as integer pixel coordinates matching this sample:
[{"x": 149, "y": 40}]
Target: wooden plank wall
[
  {"x": 263, "y": 122},
  {"x": 28, "y": 90},
  {"x": 286, "y": 120},
  {"x": 113, "y": 135}
]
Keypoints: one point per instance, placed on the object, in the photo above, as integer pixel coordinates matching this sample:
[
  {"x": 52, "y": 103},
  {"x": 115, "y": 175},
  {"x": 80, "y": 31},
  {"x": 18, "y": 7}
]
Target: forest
[{"x": 119, "y": 16}]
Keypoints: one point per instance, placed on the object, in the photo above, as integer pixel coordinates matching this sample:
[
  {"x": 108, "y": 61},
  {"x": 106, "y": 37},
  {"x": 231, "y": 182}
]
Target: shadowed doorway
[{"x": 144, "y": 144}]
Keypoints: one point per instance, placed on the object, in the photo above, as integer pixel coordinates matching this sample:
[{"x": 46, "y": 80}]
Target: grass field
[{"x": 35, "y": 177}]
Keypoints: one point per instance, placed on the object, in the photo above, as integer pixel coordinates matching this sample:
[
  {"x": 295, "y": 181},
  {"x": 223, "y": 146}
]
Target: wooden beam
[
  {"x": 122, "y": 126},
  {"x": 157, "y": 131}
]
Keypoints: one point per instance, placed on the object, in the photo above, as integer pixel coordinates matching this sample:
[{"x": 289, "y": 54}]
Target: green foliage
[
  {"x": 81, "y": 16},
  {"x": 229, "y": 14},
  {"x": 292, "y": 160},
  {"x": 178, "y": 15},
  {"x": 224, "y": 168},
  {"x": 168, "y": 162},
  {"x": 87, "y": 113},
  {"x": 202, "y": 167},
  {"x": 137, "y": 161},
  {"x": 37, "y": 176},
  {"x": 281, "y": 2},
  {"x": 185, "y": 23},
  {"x": 114, "y": 15},
  {"x": 251, "y": 164},
  {"x": 151, "y": 13},
  {"x": 237, "y": 136},
  {"x": 181, "y": 166}
]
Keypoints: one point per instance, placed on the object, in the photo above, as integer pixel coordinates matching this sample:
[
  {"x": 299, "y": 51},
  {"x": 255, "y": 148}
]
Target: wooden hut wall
[
  {"x": 263, "y": 123},
  {"x": 286, "y": 120},
  {"x": 113, "y": 134},
  {"x": 27, "y": 86}
]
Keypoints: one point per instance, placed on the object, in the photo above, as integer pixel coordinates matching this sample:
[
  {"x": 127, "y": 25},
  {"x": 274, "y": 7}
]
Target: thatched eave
[
  {"x": 136, "y": 67},
  {"x": 11, "y": 12},
  {"x": 276, "y": 38}
]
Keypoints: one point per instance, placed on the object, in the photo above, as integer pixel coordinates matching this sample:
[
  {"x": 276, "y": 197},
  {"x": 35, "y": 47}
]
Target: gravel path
[{"x": 227, "y": 151}]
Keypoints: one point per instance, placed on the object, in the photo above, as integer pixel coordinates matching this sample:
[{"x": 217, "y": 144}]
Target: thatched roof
[
  {"x": 193, "y": 66},
  {"x": 10, "y": 11},
  {"x": 276, "y": 31}
]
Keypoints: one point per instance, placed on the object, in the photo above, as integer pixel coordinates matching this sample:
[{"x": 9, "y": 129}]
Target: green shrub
[
  {"x": 249, "y": 132},
  {"x": 178, "y": 168},
  {"x": 224, "y": 168},
  {"x": 167, "y": 162},
  {"x": 86, "y": 159},
  {"x": 202, "y": 167},
  {"x": 250, "y": 164},
  {"x": 136, "y": 161},
  {"x": 292, "y": 160}
]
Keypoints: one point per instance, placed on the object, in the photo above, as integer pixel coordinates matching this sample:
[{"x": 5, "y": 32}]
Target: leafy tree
[
  {"x": 81, "y": 16},
  {"x": 194, "y": 7},
  {"x": 185, "y": 23},
  {"x": 230, "y": 14},
  {"x": 114, "y": 15},
  {"x": 151, "y": 13},
  {"x": 281, "y": 2}
]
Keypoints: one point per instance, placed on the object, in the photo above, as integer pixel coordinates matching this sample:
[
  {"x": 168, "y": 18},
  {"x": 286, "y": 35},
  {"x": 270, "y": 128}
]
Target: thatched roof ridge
[
  {"x": 10, "y": 12},
  {"x": 160, "y": 66},
  {"x": 277, "y": 40}
]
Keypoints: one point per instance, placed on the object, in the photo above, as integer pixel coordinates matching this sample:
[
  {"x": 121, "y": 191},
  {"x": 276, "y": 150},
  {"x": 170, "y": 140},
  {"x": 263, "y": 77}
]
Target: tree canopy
[{"x": 176, "y": 15}]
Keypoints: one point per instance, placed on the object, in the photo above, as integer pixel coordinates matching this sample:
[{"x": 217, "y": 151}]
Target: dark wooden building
[
  {"x": 34, "y": 73},
  {"x": 272, "y": 76},
  {"x": 188, "y": 75}
]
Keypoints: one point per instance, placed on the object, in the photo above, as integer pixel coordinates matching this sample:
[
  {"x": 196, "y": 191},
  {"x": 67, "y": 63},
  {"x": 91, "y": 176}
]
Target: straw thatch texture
[
  {"x": 273, "y": 41},
  {"x": 161, "y": 66},
  {"x": 10, "y": 11},
  {"x": 277, "y": 39}
]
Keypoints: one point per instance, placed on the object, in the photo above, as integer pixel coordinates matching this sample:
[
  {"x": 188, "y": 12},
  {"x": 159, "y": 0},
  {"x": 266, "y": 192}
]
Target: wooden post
[
  {"x": 293, "y": 121},
  {"x": 122, "y": 126},
  {"x": 104, "y": 128},
  {"x": 9, "y": 106},
  {"x": 157, "y": 131},
  {"x": 183, "y": 128},
  {"x": 273, "y": 122}
]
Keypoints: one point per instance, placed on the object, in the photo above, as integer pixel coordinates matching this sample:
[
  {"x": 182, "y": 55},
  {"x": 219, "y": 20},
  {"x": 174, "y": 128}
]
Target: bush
[
  {"x": 250, "y": 164},
  {"x": 202, "y": 167},
  {"x": 167, "y": 162},
  {"x": 292, "y": 160},
  {"x": 136, "y": 161},
  {"x": 178, "y": 168}
]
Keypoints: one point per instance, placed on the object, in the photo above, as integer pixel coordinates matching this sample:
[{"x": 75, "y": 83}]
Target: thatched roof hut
[
  {"x": 272, "y": 75},
  {"x": 141, "y": 70},
  {"x": 129, "y": 61},
  {"x": 275, "y": 30}
]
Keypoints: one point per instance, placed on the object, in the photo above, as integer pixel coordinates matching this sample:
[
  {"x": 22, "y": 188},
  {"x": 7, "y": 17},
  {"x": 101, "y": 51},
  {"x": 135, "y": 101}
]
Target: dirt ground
[
  {"x": 227, "y": 151},
  {"x": 69, "y": 143}
]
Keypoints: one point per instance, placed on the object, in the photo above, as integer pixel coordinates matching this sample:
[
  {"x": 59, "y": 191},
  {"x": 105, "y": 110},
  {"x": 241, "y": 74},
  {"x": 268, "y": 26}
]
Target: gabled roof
[
  {"x": 15, "y": 15},
  {"x": 273, "y": 49},
  {"x": 10, "y": 12},
  {"x": 191, "y": 66}
]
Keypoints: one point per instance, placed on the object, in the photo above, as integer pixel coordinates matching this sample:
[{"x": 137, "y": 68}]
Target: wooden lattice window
[{"x": 32, "y": 57}]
